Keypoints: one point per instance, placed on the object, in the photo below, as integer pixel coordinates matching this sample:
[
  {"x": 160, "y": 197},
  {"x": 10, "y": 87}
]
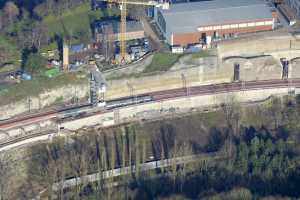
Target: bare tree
[
  {"x": 231, "y": 111},
  {"x": 11, "y": 11},
  {"x": 5, "y": 168},
  {"x": 137, "y": 155},
  {"x": 46, "y": 168},
  {"x": 78, "y": 162},
  {"x": 275, "y": 111},
  {"x": 144, "y": 151},
  {"x": 99, "y": 155}
]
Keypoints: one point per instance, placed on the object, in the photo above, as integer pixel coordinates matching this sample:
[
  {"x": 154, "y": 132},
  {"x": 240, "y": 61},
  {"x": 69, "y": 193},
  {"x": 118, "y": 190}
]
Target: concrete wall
[
  {"x": 201, "y": 71},
  {"x": 101, "y": 119},
  {"x": 195, "y": 74},
  {"x": 258, "y": 68},
  {"x": 259, "y": 45},
  {"x": 200, "y": 101},
  {"x": 184, "y": 104},
  {"x": 42, "y": 126},
  {"x": 294, "y": 68}
]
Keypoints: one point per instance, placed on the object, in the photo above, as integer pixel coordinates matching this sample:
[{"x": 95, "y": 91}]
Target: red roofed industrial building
[{"x": 205, "y": 21}]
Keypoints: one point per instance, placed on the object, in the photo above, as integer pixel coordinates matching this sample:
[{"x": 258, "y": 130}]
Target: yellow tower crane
[{"x": 123, "y": 8}]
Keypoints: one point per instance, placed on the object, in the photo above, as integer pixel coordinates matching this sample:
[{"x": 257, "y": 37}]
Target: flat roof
[
  {"x": 187, "y": 17},
  {"x": 131, "y": 26}
]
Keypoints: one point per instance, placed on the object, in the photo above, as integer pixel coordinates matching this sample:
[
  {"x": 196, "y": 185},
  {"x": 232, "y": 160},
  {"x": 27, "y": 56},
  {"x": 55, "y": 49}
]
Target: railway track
[
  {"x": 225, "y": 87},
  {"x": 163, "y": 95},
  {"x": 25, "y": 137}
]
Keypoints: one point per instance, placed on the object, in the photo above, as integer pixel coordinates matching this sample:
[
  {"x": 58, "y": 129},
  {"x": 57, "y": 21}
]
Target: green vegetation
[
  {"x": 7, "y": 67},
  {"x": 252, "y": 162},
  {"x": 162, "y": 62},
  {"x": 234, "y": 194},
  {"x": 43, "y": 25},
  {"x": 52, "y": 72},
  {"x": 75, "y": 23},
  {"x": 35, "y": 64},
  {"x": 36, "y": 86},
  {"x": 9, "y": 53},
  {"x": 59, "y": 100},
  {"x": 204, "y": 53}
]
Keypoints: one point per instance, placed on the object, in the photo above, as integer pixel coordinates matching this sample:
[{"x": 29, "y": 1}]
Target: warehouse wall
[
  {"x": 191, "y": 38},
  {"x": 186, "y": 38}
]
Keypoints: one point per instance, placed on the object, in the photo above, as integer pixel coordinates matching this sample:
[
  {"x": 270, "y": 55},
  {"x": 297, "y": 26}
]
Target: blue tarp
[
  {"x": 77, "y": 48},
  {"x": 26, "y": 76},
  {"x": 193, "y": 50}
]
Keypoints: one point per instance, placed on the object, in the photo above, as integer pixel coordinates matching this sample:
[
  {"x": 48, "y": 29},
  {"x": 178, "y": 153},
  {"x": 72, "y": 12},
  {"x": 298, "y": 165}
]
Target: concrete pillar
[
  {"x": 65, "y": 57},
  {"x": 208, "y": 40}
]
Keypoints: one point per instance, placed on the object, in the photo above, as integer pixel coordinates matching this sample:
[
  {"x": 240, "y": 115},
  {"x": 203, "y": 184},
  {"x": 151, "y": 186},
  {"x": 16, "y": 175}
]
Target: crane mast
[{"x": 123, "y": 7}]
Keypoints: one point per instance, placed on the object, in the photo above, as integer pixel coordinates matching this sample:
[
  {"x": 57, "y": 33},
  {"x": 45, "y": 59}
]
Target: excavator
[{"x": 123, "y": 7}]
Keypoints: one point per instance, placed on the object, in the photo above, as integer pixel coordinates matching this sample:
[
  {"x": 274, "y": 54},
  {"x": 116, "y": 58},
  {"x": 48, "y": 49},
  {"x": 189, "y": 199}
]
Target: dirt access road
[{"x": 139, "y": 14}]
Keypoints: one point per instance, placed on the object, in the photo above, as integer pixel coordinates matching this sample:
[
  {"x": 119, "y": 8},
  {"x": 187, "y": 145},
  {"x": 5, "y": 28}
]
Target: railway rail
[
  {"x": 155, "y": 96},
  {"x": 24, "y": 137},
  {"x": 224, "y": 87}
]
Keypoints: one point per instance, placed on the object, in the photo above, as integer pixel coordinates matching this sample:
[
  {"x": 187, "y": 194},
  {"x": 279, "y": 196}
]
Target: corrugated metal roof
[{"x": 187, "y": 17}]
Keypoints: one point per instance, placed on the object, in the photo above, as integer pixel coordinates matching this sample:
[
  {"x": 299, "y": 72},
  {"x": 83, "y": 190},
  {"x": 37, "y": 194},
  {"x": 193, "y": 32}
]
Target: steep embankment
[{"x": 42, "y": 92}]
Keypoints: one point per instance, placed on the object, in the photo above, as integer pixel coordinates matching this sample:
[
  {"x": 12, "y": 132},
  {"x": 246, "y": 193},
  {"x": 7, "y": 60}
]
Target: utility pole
[
  {"x": 117, "y": 116},
  {"x": 184, "y": 84},
  {"x": 130, "y": 89},
  {"x": 40, "y": 103},
  {"x": 291, "y": 89},
  {"x": 243, "y": 85},
  {"x": 93, "y": 92},
  {"x": 29, "y": 104},
  {"x": 131, "y": 92}
]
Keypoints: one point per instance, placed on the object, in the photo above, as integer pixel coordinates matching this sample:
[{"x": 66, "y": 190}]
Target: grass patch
[
  {"x": 204, "y": 53},
  {"x": 9, "y": 51},
  {"x": 52, "y": 46},
  {"x": 8, "y": 68},
  {"x": 162, "y": 62},
  {"x": 75, "y": 22},
  {"x": 37, "y": 86}
]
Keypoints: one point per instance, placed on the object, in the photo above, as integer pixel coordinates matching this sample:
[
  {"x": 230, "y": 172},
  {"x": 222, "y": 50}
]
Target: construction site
[
  {"x": 117, "y": 40},
  {"x": 145, "y": 27}
]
